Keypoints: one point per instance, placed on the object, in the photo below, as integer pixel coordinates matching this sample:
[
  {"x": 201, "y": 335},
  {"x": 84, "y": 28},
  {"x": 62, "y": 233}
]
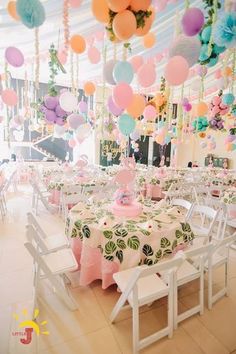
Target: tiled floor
[{"x": 88, "y": 331}]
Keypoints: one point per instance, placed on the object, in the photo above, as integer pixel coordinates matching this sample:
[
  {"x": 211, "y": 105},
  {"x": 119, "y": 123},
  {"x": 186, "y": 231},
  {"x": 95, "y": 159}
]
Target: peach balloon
[
  {"x": 137, "y": 5},
  {"x": 176, "y": 70},
  {"x": 100, "y": 10},
  {"x": 89, "y": 88},
  {"x": 227, "y": 71},
  {"x": 159, "y": 99},
  {"x": 141, "y": 31},
  {"x": 11, "y": 9},
  {"x": 9, "y": 97},
  {"x": 136, "y": 108},
  {"x": 78, "y": 44},
  {"x": 118, "y": 5},
  {"x": 149, "y": 40},
  {"x": 201, "y": 109},
  {"x": 124, "y": 25}
]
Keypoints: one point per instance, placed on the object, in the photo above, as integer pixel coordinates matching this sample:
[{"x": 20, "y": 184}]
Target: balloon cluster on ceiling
[{"x": 202, "y": 39}]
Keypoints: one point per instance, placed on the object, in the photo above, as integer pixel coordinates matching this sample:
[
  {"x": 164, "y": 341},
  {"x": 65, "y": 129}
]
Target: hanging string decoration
[
  {"x": 37, "y": 59},
  {"x": 66, "y": 26}
]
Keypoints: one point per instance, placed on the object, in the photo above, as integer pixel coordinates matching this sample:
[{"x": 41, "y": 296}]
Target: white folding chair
[
  {"x": 202, "y": 220},
  {"x": 50, "y": 242},
  {"x": 42, "y": 195},
  {"x": 185, "y": 204},
  {"x": 187, "y": 272},
  {"x": 141, "y": 286},
  {"x": 71, "y": 195},
  {"x": 219, "y": 256},
  {"x": 53, "y": 266}
]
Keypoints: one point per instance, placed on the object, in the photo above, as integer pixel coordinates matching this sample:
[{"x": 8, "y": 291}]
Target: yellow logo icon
[{"x": 29, "y": 326}]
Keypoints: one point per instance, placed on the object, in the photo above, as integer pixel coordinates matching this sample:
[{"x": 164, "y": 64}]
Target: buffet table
[{"x": 104, "y": 244}]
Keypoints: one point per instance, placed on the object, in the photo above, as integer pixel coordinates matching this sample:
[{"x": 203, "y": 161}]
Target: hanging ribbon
[
  {"x": 66, "y": 26},
  {"x": 37, "y": 60}
]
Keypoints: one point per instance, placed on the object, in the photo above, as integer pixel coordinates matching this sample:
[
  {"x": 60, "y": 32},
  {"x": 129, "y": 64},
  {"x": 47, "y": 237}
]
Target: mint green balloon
[
  {"x": 123, "y": 72},
  {"x": 126, "y": 124}
]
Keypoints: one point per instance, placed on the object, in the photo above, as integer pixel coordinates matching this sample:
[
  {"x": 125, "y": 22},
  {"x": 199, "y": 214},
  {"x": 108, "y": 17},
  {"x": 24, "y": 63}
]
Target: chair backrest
[
  {"x": 184, "y": 204},
  {"x": 32, "y": 220},
  {"x": 208, "y": 217},
  {"x": 144, "y": 271},
  {"x": 226, "y": 242},
  {"x": 72, "y": 194},
  {"x": 38, "y": 259},
  {"x": 34, "y": 237},
  {"x": 202, "y": 251}
]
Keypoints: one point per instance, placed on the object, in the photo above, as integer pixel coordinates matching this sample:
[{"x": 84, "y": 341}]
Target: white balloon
[
  {"x": 83, "y": 131},
  {"x": 196, "y": 85},
  {"x": 59, "y": 131},
  {"x": 187, "y": 47},
  {"x": 68, "y": 101}
]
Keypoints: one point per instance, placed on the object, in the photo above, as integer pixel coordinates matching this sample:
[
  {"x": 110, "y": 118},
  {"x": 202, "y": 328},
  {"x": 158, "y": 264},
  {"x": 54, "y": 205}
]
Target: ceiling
[{"x": 82, "y": 22}]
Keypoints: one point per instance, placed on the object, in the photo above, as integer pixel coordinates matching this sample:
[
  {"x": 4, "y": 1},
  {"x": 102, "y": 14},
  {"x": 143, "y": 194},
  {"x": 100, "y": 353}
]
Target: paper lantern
[
  {"x": 136, "y": 107},
  {"x": 118, "y": 6},
  {"x": 187, "y": 47},
  {"x": 228, "y": 99},
  {"x": 124, "y": 25},
  {"x": 14, "y": 57},
  {"x": 100, "y": 10},
  {"x": 78, "y": 44},
  {"x": 201, "y": 109},
  {"x": 176, "y": 71}
]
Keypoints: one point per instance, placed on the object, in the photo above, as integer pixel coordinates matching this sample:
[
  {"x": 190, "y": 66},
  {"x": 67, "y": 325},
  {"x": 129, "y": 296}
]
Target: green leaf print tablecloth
[{"x": 102, "y": 240}]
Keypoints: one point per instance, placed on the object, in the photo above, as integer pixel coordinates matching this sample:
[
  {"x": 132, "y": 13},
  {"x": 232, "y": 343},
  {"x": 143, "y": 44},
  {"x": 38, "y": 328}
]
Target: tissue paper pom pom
[
  {"x": 224, "y": 33},
  {"x": 31, "y": 13}
]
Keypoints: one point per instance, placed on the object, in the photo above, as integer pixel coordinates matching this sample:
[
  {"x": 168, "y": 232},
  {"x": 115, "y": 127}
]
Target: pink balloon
[
  {"x": 72, "y": 143},
  {"x": 159, "y": 57},
  {"x": 149, "y": 112},
  {"x": 9, "y": 97},
  {"x": 136, "y": 62},
  {"x": 14, "y": 57},
  {"x": 218, "y": 74},
  {"x": 75, "y": 120},
  {"x": 122, "y": 95},
  {"x": 146, "y": 75},
  {"x": 99, "y": 35},
  {"x": 94, "y": 55},
  {"x": 176, "y": 71},
  {"x": 159, "y": 5},
  {"x": 62, "y": 57},
  {"x": 75, "y": 3}
]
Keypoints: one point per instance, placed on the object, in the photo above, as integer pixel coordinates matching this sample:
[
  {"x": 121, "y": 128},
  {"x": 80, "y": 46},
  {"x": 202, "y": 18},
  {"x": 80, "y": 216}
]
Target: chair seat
[
  {"x": 54, "y": 241},
  {"x": 199, "y": 231},
  {"x": 61, "y": 261},
  {"x": 149, "y": 288},
  {"x": 231, "y": 222},
  {"x": 186, "y": 273}
]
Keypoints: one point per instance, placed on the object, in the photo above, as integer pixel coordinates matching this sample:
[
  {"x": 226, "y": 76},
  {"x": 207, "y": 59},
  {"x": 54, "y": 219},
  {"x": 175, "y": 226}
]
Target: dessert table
[{"x": 104, "y": 244}]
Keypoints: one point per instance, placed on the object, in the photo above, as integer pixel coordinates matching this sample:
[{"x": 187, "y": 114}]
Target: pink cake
[{"x": 125, "y": 204}]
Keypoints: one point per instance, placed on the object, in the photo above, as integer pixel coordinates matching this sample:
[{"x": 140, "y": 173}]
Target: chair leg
[
  {"x": 175, "y": 306},
  {"x": 210, "y": 289},
  {"x": 201, "y": 293},
  {"x": 171, "y": 305},
  {"x": 227, "y": 278},
  {"x": 135, "y": 313}
]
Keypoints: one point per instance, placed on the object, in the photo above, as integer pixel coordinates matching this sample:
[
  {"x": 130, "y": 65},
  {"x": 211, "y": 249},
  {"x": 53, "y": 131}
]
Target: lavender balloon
[
  {"x": 51, "y": 102},
  {"x": 75, "y": 120},
  {"x": 113, "y": 108},
  {"x": 60, "y": 121},
  {"x": 60, "y": 112},
  {"x": 83, "y": 107},
  {"x": 192, "y": 21},
  {"x": 14, "y": 57},
  {"x": 135, "y": 135},
  {"x": 50, "y": 116}
]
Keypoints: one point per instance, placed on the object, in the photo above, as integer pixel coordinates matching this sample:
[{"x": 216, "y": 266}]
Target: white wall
[{"x": 191, "y": 151}]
